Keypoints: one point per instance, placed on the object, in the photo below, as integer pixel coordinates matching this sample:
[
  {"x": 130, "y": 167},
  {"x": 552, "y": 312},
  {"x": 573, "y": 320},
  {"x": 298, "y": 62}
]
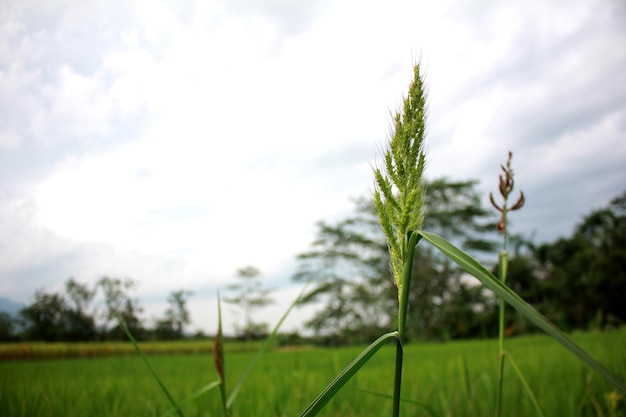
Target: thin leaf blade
[
  {"x": 149, "y": 365},
  {"x": 333, "y": 388},
  {"x": 473, "y": 267}
]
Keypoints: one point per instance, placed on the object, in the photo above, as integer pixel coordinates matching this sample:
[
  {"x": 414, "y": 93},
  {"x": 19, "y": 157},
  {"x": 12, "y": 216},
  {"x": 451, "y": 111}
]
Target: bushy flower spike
[{"x": 399, "y": 191}]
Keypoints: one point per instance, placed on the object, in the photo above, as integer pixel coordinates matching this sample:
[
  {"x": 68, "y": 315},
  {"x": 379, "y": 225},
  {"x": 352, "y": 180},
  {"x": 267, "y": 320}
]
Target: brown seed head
[
  {"x": 506, "y": 185},
  {"x": 218, "y": 355}
]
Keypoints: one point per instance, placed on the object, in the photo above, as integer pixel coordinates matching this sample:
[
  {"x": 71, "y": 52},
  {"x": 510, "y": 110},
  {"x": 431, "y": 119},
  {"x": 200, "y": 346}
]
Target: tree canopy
[{"x": 349, "y": 267}]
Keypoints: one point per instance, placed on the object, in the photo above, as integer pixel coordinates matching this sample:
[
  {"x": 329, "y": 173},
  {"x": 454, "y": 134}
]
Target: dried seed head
[
  {"x": 506, "y": 185},
  {"x": 218, "y": 355},
  {"x": 520, "y": 202},
  {"x": 493, "y": 203}
]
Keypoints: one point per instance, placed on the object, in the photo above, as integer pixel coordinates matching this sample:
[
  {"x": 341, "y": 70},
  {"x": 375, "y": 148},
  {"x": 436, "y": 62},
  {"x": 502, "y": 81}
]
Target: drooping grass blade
[
  {"x": 427, "y": 407},
  {"x": 529, "y": 390},
  {"x": 474, "y": 268},
  {"x": 333, "y": 388},
  {"x": 196, "y": 395},
  {"x": 145, "y": 359}
]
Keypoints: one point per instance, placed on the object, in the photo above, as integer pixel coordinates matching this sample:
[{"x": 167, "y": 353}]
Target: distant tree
[
  {"x": 176, "y": 316},
  {"x": 584, "y": 276},
  {"x": 7, "y": 328},
  {"x": 348, "y": 266},
  {"x": 118, "y": 302},
  {"x": 443, "y": 302},
  {"x": 45, "y": 318},
  {"x": 250, "y": 294},
  {"x": 53, "y": 317},
  {"x": 80, "y": 324}
]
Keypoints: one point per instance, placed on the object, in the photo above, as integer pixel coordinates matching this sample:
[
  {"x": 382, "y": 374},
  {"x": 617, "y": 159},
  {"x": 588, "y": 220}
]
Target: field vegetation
[{"x": 452, "y": 379}]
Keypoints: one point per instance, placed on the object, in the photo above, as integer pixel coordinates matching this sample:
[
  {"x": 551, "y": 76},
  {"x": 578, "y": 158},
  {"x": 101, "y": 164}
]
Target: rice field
[{"x": 453, "y": 379}]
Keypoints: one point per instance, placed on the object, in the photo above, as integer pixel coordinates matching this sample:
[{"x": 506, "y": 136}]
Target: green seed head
[{"x": 399, "y": 191}]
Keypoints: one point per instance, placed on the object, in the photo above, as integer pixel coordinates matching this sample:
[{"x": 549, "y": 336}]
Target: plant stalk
[
  {"x": 413, "y": 239},
  {"x": 502, "y": 270}
]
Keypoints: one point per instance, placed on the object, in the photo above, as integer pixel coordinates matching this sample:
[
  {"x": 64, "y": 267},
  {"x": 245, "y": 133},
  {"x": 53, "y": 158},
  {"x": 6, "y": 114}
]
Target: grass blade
[
  {"x": 196, "y": 395},
  {"x": 263, "y": 348},
  {"x": 218, "y": 358},
  {"x": 427, "y": 407},
  {"x": 331, "y": 390},
  {"x": 474, "y": 268},
  {"x": 466, "y": 386},
  {"x": 145, "y": 359},
  {"x": 529, "y": 391}
]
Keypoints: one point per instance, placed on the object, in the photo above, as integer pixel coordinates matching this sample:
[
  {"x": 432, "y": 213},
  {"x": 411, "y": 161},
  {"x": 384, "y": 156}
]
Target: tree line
[
  {"x": 72, "y": 315},
  {"x": 82, "y": 313},
  {"x": 578, "y": 282}
]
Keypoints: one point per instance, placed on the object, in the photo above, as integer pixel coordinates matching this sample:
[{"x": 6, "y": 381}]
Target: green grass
[{"x": 456, "y": 379}]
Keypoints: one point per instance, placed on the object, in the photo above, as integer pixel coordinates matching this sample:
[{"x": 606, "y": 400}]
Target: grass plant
[{"x": 505, "y": 186}]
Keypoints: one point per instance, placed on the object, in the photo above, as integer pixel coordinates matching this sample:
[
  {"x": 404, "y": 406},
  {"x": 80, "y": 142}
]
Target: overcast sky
[{"x": 174, "y": 141}]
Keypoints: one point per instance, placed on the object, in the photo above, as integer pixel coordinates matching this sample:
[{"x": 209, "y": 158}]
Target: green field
[{"x": 456, "y": 379}]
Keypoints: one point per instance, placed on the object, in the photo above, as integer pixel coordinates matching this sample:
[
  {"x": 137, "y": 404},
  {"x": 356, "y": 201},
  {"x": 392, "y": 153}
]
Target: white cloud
[{"x": 185, "y": 140}]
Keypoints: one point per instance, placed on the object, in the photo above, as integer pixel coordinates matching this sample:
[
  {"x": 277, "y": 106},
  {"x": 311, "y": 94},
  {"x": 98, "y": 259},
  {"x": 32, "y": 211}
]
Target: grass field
[{"x": 456, "y": 379}]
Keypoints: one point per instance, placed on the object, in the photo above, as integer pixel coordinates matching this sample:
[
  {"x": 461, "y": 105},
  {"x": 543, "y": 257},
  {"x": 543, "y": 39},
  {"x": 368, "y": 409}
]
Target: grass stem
[
  {"x": 502, "y": 270},
  {"x": 412, "y": 241},
  {"x": 397, "y": 384}
]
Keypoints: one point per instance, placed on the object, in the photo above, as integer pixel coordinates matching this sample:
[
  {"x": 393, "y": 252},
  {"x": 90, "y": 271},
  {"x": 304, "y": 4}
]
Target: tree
[
  {"x": 443, "y": 303},
  {"x": 118, "y": 302},
  {"x": 81, "y": 325},
  {"x": 176, "y": 316},
  {"x": 250, "y": 295},
  {"x": 348, "y": 266},
  {"x": 53, "y": 317},
  {"x": 584, "y": 276},
  {"x": 6, "y": 327},
  {"x": 44, "y": 319}
]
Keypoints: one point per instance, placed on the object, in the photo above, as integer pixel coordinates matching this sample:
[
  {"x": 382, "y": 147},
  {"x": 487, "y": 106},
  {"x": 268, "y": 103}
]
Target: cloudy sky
[{"x": 175, "y": 141}]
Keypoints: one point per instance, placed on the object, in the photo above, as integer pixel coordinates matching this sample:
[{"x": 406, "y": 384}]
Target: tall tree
[
  {"x": 349, "y": 268},
  {"x": 119, "y": 302},
  {"x": 176, "y": 316},
  {"x": 584, "y": 276},
  {"x": 45, "y": 318},
  {"x": 443, "y": 302},
  {"x": 81, "y": 324},
  {"x": 7, "y": 327},
  {"x": 250, "y": 294}
]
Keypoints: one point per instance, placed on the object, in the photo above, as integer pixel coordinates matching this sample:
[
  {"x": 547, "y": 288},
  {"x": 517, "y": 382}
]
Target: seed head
[
  {"x": 399, "y": 192},
  {"x": 218, "y": 356},
  {"x": 506, "y": 185}
]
